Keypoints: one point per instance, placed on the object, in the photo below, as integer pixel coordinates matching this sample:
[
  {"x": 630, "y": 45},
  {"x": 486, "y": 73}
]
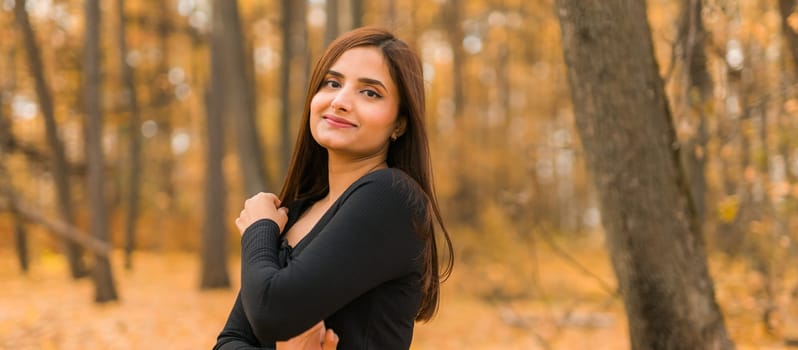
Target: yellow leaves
[
  {"x": 750, "y": 174},
  {"x": 727, "y": 151},
  {"x": 761, "y": 33},
  {"x": 698, "y": 152},
  {"x": 779, "y": 190},
  {"x": 792, "y": 21},
  {"x": 791, "y": 106},
  {"x": 760, "y": 227},
  {"x": 728, "y": 208},
  {"x": 160, "y": 305}
]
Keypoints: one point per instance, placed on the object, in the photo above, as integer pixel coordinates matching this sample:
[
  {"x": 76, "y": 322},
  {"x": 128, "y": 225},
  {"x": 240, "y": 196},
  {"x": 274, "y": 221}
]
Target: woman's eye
[
  {"x": 332, "y": 84},
  {"x": 371, "y": 93}
]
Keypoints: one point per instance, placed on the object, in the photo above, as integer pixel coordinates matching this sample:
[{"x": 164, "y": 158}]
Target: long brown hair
[{"x": 410, "y": 152}]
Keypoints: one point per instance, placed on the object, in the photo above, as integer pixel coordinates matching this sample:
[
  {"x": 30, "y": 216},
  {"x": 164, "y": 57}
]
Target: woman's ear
[{"x": 401, "y": 126}]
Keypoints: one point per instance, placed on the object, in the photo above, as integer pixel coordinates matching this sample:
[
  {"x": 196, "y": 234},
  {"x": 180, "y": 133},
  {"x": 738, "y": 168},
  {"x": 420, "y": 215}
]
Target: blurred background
[{"x": 131, "y": 131}]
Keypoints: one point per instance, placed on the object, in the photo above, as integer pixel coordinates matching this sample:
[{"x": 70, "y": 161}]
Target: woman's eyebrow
[{"x": 369, "y": 81}]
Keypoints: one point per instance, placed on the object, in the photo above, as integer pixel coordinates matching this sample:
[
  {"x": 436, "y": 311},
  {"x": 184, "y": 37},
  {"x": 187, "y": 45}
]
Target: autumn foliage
[{"x": 531, "y": 269}]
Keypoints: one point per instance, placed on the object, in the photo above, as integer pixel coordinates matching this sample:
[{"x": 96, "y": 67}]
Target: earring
[{"x": 394, "y": 137}]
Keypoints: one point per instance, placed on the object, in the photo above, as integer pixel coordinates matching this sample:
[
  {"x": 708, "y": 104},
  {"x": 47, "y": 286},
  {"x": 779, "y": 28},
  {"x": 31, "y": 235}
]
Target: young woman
[{"x": 350, "y": 241}]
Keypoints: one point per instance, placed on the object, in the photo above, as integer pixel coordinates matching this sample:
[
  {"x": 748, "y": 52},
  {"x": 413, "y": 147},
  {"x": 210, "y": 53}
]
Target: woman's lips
[{"x": 337, "y": 121}]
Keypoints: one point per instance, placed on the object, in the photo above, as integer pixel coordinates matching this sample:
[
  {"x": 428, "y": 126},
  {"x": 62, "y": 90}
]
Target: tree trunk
[
  {"x": 238, "y": 95},
  {"x": 134, "y": 185},
  {"x": 786, "y": 7},
  {"x": 697, "y": 92},
  {"x": 73, "y": 252},
  {"x": 293, "y": 79},
  {"x": 622, "y": 116},
  {"x": 285, "y": 88},
  {"x": 163, "y": 98},
  {"x": 455, "y": 32},
  {"x": 20, "y": 236},
  {"x": 101, "y": 272},
  {"x": 213, "y": 257},
  {"x": 331, "y": 30},
  {"x": 356, "y": 8}
]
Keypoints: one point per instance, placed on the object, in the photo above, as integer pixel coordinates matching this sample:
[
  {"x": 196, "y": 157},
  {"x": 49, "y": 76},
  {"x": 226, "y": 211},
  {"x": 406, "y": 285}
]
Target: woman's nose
[{"x": 342, "y": 101}]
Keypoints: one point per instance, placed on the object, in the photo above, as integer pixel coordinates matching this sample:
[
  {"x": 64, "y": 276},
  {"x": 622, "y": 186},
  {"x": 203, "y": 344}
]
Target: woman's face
[{"x": 354, "y": 113}]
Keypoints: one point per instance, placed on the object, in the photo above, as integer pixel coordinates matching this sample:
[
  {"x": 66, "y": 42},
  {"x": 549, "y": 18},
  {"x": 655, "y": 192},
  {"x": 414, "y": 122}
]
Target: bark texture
[
  {"x": 238, "y": 96},
  {"x": 625, "y": 124},
  {"x": 104, "y": 289},
  {"x": 331, "y": 25},
  {"x": 293, "y": 78},
  {"x": 134, "y": 179},
  {"x": 786, "y": 8},
  {"x": 697, "y": 93},
  {"x": 213, "y": 258},
  {"x": 77, "y": 267}
]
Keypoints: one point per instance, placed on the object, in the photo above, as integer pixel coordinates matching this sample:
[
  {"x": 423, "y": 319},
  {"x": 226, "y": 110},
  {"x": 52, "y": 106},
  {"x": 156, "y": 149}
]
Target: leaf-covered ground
[{"x": 537, "y": 302}]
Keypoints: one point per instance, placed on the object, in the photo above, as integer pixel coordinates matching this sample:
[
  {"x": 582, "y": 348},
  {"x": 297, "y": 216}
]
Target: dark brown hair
[{"x": 410, "y": 152}]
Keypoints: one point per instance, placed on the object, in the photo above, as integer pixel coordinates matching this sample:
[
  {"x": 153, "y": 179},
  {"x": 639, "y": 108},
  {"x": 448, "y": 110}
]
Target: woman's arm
[
  {"x": 369, "y": 240},
  {"x": 237, "y": 334}
]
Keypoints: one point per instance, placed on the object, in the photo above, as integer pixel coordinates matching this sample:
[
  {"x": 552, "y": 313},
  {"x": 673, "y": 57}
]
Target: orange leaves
[
  {"x": 728, "y": 208},
  {"x": 792, "y": 21}
]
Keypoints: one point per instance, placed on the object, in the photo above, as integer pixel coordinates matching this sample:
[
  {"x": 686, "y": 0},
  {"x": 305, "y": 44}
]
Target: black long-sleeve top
[{"x": 358, "y": 269}]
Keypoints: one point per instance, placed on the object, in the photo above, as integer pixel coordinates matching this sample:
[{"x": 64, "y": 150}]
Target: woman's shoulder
[
  {"x": 393, "y": 183},
  {"x": 396, "y": 179}
]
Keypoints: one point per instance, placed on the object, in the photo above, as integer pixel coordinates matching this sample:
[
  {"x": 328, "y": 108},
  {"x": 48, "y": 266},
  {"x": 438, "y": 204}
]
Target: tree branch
[{"x": 54, "y": 226}]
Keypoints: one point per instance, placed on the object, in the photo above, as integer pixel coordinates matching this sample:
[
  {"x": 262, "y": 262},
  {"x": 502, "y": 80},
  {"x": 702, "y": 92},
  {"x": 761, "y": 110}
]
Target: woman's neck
[{"x": 343, "y": 172}]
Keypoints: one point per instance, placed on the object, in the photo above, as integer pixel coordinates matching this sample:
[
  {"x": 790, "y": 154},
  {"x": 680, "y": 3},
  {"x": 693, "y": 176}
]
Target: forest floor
[{"x": 550, "y": 305}]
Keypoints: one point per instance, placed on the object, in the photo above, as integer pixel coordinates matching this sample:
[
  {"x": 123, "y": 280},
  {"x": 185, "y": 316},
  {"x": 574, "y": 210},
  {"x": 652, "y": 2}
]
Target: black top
[{"x": 358, "y": 269}]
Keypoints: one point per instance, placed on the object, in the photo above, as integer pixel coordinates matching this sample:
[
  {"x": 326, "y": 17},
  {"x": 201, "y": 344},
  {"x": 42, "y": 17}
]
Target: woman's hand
[
  {"x": 316, "y": 338},
  {"x": 262, "y": 206}
]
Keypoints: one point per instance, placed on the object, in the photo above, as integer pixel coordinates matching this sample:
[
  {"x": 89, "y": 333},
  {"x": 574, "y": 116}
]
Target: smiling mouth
[{"x": 338, "y": 122}]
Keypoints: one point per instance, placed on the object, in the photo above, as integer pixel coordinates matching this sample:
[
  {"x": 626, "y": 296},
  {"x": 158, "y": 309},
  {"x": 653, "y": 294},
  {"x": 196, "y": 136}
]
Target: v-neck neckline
[{"x": 305, "y": 204}]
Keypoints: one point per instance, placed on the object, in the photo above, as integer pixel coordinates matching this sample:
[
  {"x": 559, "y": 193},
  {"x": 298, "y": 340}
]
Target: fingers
[
  {"x": 330, "y": 340},
  {"x": 264, "y": 197},
  {"x": 321, "y": 331},
  {"x": 283, "y": 211},
  {"x": 239, "y": 225}
]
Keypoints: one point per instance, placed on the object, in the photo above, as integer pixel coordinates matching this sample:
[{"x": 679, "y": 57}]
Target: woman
[{"x": 355, "y": 245}]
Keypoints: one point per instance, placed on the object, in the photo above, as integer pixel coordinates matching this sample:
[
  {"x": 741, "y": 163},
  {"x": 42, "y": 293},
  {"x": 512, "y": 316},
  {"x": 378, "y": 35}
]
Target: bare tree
[
  {"x": 696, "y": 93},
  {"x": 213, "y": 258},
  {"x": 134, "y": 185},
  {"x": 293, "y": 77},
  {"x": 21, "y": 238},
  {"x": 101, "y": 272},
  {"x": 73, "y": 252},
  {"x": 356, "y": 8},
  {"x": 786, "y": 8},
  {"x": 331, "y": 30},
  {"x": 452, "y": 16},
  {"x": 238, "y": 97},
  {"x": 630, "y": 145},
  {"x": 20, "y": 234},
  {"x": 161, "y": 104}
]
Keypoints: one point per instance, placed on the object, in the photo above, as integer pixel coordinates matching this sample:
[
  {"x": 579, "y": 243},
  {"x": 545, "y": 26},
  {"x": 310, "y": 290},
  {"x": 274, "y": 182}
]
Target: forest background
[{"x": 132, "y": 131}]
